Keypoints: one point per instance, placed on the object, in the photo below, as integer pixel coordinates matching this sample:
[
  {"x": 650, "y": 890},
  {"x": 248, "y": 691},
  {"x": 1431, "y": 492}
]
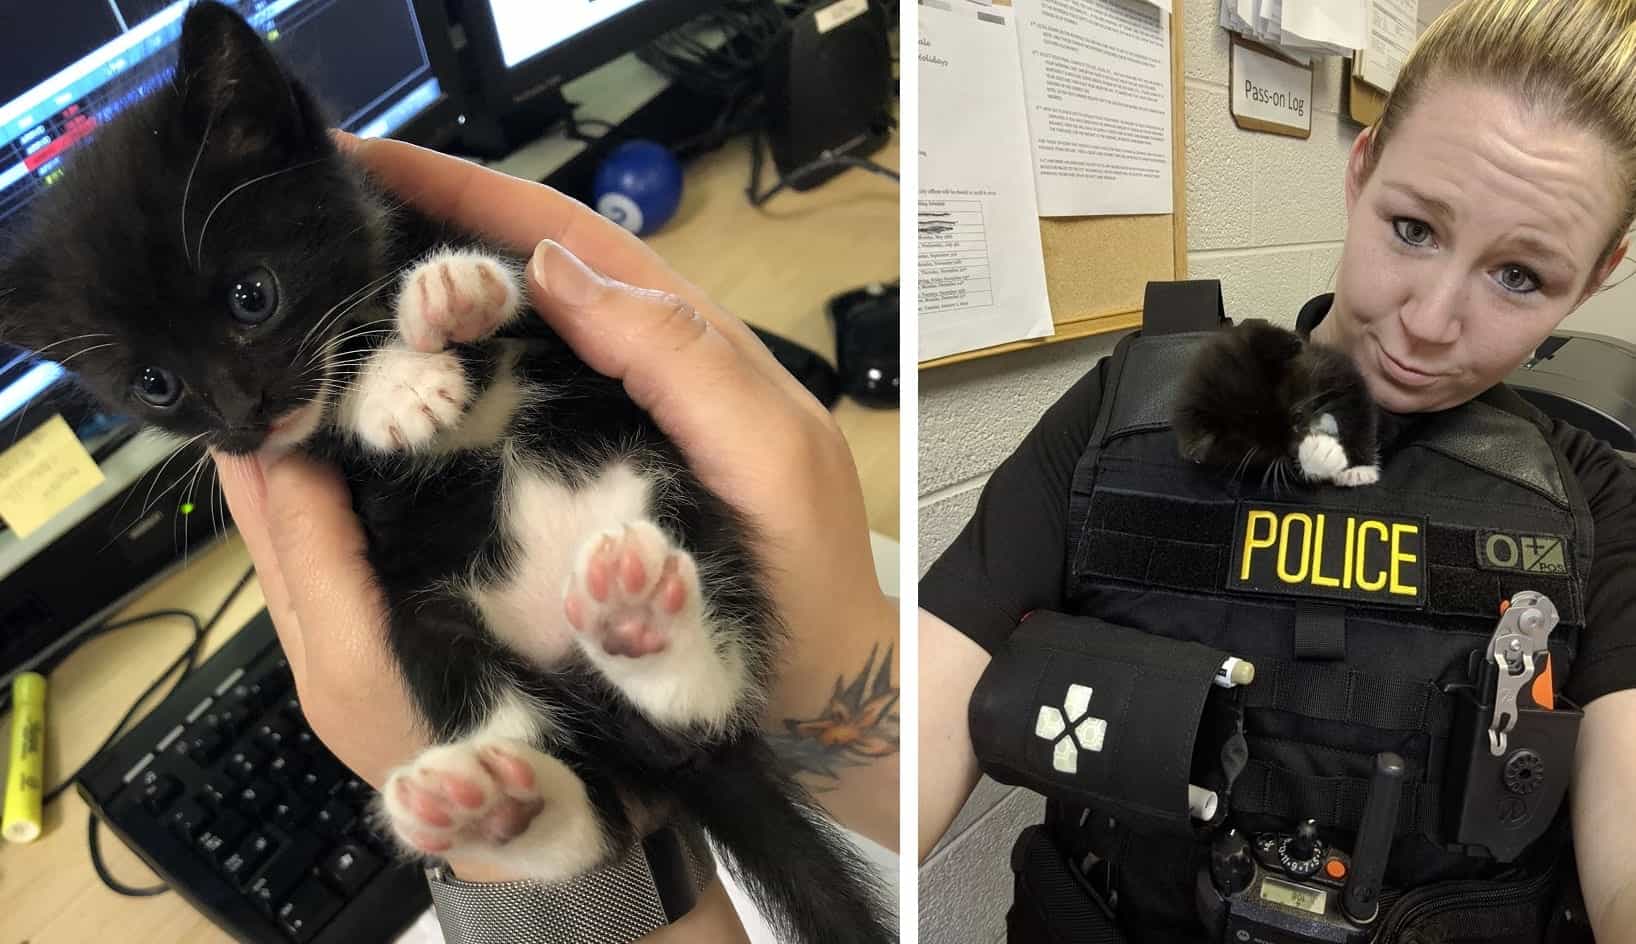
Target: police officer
[{"x": 1490, "y": 200}]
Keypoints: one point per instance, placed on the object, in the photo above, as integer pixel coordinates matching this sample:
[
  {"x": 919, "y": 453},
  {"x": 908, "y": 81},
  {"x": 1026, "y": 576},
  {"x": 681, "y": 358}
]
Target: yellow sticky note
[{"x": 45, "y": 472}]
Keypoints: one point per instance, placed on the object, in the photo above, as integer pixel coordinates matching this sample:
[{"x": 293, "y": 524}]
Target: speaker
[{"x": 829, "y": 88}]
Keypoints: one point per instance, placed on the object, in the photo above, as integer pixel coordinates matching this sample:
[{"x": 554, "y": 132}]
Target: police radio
[{"x": 1278, "y": 888}]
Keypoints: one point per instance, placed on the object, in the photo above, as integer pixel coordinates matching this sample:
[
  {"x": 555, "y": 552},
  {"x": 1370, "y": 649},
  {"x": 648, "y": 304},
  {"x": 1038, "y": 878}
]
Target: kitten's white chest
[{"x": 547, "y": 521}]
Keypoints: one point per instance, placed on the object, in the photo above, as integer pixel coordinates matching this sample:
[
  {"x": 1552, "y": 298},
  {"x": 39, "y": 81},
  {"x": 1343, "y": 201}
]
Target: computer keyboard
[{"x": 227, "y": 794}]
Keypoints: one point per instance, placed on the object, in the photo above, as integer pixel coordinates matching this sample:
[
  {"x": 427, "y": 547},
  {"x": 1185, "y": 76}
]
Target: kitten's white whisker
[
  {"x": 324, "y": 319},
  {"x": 346, "y": 305},
  {"x": 198, "y": 252},
  {"x": 78, "y": 337},
  {"x": 161, "y": 473},
  {"x": 188, "y": 187},
  {"x": 317, "y": 361},
  {"x": 192, "y": 484},
  {"x": 336, "y": 365},
  {"x": 86, "y": 350},
  {"x": 218, "y": 514},
  {"x": 360, "y": 332},
  {"x": 180, "y": 478}
]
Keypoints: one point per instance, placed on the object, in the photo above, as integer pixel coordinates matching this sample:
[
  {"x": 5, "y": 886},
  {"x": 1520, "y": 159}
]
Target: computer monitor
[
  {"x": 381, "y": 67},
  {"x": 70, "y": 70},
  {"x": 519, "y": 53}
]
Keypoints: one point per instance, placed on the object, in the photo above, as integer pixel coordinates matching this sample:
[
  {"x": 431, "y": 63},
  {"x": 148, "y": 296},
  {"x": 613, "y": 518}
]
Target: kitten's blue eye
[
  {"x": 157, "y": 387},
  {"x": 253, "y": 297}
]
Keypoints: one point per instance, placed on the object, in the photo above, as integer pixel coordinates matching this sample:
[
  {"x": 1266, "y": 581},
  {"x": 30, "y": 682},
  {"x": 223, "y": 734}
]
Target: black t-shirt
[{"x": 1011, "y": 558}]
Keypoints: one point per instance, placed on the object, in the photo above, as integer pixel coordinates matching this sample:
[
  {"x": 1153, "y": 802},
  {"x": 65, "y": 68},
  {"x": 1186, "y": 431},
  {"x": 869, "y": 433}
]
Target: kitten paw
[
  {"x": 455, "y": 296},
  {"x": 496, "y": 800},
  {"x": 1321, "y": 457},
  {"x": 463, "y": 794},
  {"x": 1358, "y": 475},
  {"x": 403, "y": 399},
  {"x": 631, "y": 589}
]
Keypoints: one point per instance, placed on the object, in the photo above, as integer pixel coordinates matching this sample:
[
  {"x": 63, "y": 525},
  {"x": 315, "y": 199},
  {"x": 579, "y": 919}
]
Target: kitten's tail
[{"x": 805, "y": 876}]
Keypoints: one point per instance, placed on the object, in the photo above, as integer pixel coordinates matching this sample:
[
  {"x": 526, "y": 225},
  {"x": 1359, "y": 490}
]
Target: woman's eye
[
  {"x": 1412, "y": 231},
  {"x": 253, "y": 296},
  {"x": 157, "y": 387},
  {"x": 1515, "y": 278}
]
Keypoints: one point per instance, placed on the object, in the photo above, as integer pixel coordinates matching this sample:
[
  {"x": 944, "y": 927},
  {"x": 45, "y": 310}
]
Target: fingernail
[{"x": 561, "y": 275}]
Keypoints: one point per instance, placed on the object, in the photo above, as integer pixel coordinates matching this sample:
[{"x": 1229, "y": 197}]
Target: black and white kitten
[
  {"x": 585, "y": 629},
  {"x": 1258, "y": 398}
]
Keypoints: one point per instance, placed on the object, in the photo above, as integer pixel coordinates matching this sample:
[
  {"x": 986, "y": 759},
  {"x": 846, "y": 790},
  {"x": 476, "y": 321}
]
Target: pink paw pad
[
  {"x": 630, "y": 590},
  {"x": 455, "y": 296},
  {"x": 460, "y": 795}
]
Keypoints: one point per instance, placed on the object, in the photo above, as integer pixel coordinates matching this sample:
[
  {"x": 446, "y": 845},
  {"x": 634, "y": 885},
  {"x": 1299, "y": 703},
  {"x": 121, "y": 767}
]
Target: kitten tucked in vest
[
  {"x": 585, "y": 629},
  {"x": 1259, "y": 399}
]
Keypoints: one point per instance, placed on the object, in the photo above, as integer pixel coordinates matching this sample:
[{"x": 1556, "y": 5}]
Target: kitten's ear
[{"x": 232, "y": 84}]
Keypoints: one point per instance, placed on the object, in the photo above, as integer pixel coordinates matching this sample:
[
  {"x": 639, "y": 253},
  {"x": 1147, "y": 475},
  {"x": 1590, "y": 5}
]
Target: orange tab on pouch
[{"x": 1541, "y": 691}]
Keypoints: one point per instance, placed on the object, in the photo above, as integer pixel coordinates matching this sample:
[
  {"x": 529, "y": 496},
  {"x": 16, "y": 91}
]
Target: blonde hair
[{"x": 1574, "y": 59}]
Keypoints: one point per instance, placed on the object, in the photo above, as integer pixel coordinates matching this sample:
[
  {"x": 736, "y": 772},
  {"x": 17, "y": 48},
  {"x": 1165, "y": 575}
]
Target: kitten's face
[{"x": 190, "y": 263}]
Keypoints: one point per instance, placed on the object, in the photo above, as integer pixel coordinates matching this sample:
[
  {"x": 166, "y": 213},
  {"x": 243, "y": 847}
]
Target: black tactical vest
[{"x": 1358, "y": 607}]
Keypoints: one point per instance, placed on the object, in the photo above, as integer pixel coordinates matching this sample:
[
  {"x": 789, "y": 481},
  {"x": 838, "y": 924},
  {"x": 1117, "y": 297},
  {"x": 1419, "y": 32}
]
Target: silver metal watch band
[{"x": 653, "y": 884}]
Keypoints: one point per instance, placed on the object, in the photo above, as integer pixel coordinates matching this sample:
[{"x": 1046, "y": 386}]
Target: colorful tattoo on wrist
[{"x": 859, "y": 725}]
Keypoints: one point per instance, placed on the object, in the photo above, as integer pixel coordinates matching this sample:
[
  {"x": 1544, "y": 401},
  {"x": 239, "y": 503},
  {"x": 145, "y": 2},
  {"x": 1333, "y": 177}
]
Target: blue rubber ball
[{"x": 639, "y": 186}]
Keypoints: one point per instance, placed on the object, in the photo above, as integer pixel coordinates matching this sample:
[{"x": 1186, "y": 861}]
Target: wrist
[{"x": 476, "y": 871}]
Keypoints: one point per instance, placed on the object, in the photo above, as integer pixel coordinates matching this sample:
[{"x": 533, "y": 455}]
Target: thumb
[{"x": 664, "y": 352}]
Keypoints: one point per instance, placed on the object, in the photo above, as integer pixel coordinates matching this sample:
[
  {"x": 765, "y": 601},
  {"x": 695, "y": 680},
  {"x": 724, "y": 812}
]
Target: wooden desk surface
[{"x": 774, "y": 267}]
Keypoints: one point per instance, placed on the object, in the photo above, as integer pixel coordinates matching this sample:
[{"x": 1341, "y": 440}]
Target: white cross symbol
[{"x": 1089, "y": 731}]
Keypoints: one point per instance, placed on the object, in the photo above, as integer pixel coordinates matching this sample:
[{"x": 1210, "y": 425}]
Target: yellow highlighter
[{"x": 24, "y": 775}]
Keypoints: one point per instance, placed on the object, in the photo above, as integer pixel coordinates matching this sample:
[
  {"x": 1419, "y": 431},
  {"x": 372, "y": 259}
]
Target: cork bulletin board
[{"x": 1097, "y": 267}]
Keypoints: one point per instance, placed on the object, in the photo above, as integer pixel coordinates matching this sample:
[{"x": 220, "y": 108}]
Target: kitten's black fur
[
  {"x": 122, "y": 250},
  {"x": 1254, "y": 391}
]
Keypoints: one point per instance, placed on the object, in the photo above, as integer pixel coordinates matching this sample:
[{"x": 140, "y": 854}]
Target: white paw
[
  {"x": 1326, "y": 424},
  {"x": 456, "y": 295},
  {"x": 632, "y": 590},
  {"x": 1358, "y": 475},
  {"x": 1321, "y": 457},
  {"x": 403, "y": 399},
  {"x": 455, "y": 797}
]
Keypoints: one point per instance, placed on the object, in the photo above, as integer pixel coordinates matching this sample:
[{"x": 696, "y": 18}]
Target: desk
[{"x": 775, "y": 267}]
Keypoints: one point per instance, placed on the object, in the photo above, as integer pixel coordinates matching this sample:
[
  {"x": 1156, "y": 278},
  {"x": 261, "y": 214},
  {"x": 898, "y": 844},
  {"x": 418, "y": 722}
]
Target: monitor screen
[
  {"x": 72, "y": 65},
  {"x": 528, "y": 27}
]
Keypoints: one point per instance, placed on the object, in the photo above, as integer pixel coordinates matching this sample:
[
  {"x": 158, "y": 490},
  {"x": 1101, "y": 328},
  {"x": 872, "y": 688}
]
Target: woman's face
[{"x": 1477, "y": 232}]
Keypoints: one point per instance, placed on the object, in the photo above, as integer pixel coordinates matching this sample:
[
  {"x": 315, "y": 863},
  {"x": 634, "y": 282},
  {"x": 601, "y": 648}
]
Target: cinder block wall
[{"x": 1266, "y": 215}]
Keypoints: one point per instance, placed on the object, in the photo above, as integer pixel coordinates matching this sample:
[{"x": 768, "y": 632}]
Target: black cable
[
  {"x": 184, "y": 658},
  {"x": 187, "y": 661},
  {"x": 129, "y": 891},
  {"x": 827, "y": 161}
]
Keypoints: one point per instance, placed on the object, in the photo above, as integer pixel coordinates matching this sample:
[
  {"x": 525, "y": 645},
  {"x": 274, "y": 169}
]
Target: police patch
[
  {"x": 1523, "y": 553},
  {"x": 1296, "y": 550}
]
